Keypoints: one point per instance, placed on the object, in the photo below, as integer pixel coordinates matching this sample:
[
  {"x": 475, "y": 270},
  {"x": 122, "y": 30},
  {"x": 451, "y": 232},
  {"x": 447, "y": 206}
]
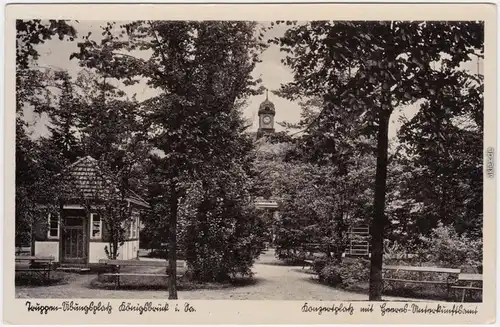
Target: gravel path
[{"x": 273, "y": 281}]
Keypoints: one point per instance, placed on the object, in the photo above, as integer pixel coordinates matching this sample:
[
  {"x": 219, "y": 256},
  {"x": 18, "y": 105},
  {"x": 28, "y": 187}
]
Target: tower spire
[{"x": 267, "y": 96}]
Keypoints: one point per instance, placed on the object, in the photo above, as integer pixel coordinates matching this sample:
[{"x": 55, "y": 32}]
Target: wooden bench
[
  {"x": 451, "y": 275},
  {"x": 473, "y": 282},
  {"x": 308, "y": 251},
  {"x": 23, "y": 251},
  {"x": 36, "y": 264},
  {"x": 117, "y": 264},
  {"x": 307, "y": 262}
]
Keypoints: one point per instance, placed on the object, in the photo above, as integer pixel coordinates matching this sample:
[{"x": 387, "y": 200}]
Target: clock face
[{"x": 266, "y": 119}]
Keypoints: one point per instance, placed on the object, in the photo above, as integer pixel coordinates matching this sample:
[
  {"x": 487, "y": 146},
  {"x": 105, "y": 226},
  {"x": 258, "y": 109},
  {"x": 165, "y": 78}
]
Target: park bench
[
  {"x": 23, "y": 250},
  {"x": 389, "y": 275},
  {"x": 308, "y": 251},
  {"x": 307, "y": 262},
  {"x": 35, "y": 264},
  {"x": 473, "y": 282},
  {"x": 117, "y": 264}
]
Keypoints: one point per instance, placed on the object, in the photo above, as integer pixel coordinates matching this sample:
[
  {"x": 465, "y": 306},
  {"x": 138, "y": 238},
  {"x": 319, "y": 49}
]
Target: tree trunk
[
  {"x": 379, "y": 219},
  {"x": 341, "y": 231},
  {"x": 32, "y": 239},
  {"x": 172, "y": 244},
  {"x": 113, "y": 236},
  {"x": 115, "y": 248}
]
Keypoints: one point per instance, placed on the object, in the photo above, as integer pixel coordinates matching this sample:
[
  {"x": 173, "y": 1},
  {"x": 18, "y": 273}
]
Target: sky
[{"x": 55, "y": 54}]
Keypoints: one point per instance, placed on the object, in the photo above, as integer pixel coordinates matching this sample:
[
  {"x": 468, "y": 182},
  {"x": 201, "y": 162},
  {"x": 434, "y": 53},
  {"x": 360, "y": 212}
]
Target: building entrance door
[{"x": 74, "y": 240}]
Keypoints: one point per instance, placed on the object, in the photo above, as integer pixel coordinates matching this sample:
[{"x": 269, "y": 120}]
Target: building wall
[
  {"x": 127, "y": 251},
  {"x": 47, "y": 248}
]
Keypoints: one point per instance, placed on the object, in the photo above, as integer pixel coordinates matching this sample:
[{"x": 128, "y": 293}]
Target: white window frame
[
  {"x": 92, "y": 227},
  {"x": 133, "y": 227},
  {"x": 58, "y": 228},
  {"x": 136, "y": 227}
]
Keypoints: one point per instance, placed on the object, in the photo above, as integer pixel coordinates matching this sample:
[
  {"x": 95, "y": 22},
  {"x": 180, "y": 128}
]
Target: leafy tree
[
  {"x": 97, "y": 120},
  {"x": 63, "y": 140},
  {"x": 444, "y": 142},
  {"x": 32, "y": 81},
  {"x": 371, "y": 68},
  {"x": 32, "y": 171},
  {"x": 200, "y": 69},
  {"x": 317, "y": 204},
  {"x": 221, "y": 232}
]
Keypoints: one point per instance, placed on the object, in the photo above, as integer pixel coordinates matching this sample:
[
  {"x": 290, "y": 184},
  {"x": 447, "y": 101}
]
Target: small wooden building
[{"x": 76, "y": 232}]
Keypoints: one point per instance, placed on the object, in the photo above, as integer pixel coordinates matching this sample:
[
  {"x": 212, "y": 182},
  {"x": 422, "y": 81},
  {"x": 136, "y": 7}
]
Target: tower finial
[{"x": 267, "y": 97}]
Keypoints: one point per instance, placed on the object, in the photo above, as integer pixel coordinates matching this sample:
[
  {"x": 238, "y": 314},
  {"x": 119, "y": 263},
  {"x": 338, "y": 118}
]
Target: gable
[{"x": 85, "y": 179}]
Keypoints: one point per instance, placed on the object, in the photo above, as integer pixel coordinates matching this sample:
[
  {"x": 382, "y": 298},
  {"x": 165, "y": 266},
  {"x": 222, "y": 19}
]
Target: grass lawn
[{"x": 157, "y": 282}]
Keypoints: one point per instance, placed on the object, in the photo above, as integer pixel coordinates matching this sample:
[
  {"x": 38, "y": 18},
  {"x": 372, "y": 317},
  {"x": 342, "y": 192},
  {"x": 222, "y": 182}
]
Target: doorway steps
[{"x": 75, "y": 268}]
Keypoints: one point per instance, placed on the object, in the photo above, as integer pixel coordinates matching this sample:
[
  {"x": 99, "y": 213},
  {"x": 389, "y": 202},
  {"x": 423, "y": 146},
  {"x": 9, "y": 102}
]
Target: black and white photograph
[{"x": 282, "y": 160}]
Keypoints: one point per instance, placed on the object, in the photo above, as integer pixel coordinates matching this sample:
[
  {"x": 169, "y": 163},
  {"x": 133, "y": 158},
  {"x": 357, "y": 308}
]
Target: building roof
[
  {"x": 86, "y": 179},
  {"x": 267, "y": 107}
]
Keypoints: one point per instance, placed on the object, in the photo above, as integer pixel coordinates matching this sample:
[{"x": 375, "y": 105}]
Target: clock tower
[{"x": 266, "y": 117}]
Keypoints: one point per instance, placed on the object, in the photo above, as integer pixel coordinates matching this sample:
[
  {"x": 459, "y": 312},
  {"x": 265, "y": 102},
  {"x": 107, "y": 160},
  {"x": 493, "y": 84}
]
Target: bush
[
  {"x": 330, "y": 274},
  {"x": 149, "y": 239},
  {"x": 30, "y": 279},
  {"x": 447, "y": 248},
  {"x": 319, "y": 264},
  {"x": 220, "y": 229},
  {"x": 290, "y": 257},
  {"x": 348, "y": 273},
  {"x": 396, "y": 253},
  {"x": 354, "y": 271}
]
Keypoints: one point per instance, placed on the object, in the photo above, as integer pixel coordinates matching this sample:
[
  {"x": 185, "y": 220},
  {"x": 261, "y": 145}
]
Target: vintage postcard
[{"x": 251, "y": 163}]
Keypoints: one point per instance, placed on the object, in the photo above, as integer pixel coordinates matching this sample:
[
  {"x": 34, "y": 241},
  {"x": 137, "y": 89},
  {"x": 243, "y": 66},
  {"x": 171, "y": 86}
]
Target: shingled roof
[{"x": 85, "y": 178}]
